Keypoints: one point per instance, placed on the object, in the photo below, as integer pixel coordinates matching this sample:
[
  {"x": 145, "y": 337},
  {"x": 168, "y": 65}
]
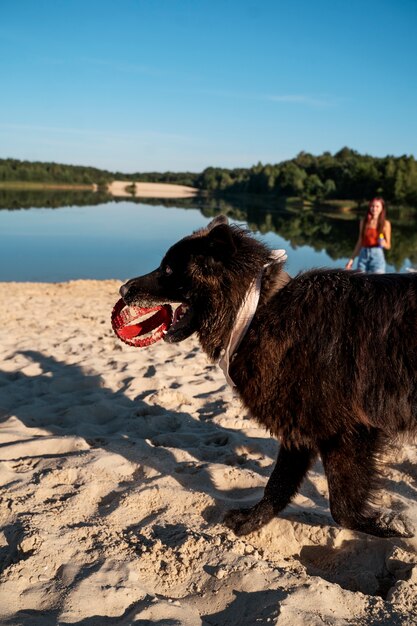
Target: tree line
[
  {"x": 14, "y": 170},
  {"x": 343, "y": 175}
]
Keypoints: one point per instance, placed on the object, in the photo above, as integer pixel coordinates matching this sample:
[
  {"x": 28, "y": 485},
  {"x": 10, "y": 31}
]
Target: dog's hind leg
[
  {"x": 291, "y": 467},
  {"x": 351, "y": 466}
]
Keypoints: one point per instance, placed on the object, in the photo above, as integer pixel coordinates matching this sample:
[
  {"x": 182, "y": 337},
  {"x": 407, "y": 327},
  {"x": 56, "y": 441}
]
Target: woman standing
[{"x": 374, "y": 237}]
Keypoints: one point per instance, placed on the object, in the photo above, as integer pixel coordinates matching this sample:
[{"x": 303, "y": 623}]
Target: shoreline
[{"x": 119, "y": 188}]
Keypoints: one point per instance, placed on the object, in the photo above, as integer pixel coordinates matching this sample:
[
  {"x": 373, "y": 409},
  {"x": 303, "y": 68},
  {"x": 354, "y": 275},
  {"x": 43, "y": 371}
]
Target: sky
[{"x": 180, "y": 85}]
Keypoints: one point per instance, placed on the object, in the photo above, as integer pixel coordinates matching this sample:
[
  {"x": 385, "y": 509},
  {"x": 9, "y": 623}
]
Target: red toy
[{"x": 142, "y": 333}]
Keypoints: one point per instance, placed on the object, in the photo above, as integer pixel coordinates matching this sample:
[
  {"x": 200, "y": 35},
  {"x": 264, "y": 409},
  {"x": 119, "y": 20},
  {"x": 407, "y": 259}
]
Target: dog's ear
[
  {"x": 219, "y": 247},
  {"x": 215, "y": 245},
  {"x": 219, "y": 219}
]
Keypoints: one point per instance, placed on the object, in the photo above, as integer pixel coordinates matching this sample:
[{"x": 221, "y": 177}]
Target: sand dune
[
  {"x": 116, "y": 467},
  {"x": 151, "y": 190}
]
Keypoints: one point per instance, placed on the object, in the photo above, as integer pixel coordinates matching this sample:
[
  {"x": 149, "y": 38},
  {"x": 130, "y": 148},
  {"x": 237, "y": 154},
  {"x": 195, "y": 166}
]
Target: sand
[
  {"x": 121, "y": 189},
  {"x": 116, "y": 467}
]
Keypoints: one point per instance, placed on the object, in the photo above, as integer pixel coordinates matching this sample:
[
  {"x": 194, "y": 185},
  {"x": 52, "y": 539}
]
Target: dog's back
[{"x": 334, "y": 348}]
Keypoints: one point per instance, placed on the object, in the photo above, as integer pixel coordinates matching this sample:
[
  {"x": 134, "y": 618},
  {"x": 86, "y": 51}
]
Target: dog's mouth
[{"x": 182, "y": 325}]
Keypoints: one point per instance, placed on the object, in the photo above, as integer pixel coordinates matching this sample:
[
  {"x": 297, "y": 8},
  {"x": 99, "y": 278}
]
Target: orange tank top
[{"x": 370, "y": 238}]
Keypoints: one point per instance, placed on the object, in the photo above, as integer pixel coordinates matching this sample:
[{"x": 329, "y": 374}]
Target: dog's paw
[
  {"x": 388, "y": 524},
  {"x": 397, "y": 524},
  {"x": 245, "y": 521}
]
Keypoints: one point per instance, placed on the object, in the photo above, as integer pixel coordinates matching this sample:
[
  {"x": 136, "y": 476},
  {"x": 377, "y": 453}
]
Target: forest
[
  {"x": 16, "y": 171},
  {"x": 345, "y": 175}
]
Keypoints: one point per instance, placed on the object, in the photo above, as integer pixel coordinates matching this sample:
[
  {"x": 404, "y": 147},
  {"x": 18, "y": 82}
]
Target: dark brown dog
[{"x": 328, "y": 364}]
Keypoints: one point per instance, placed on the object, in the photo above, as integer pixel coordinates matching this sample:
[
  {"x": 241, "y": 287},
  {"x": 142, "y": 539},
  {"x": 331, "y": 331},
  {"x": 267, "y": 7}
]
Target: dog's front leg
[{"x": 284, "y": 482}]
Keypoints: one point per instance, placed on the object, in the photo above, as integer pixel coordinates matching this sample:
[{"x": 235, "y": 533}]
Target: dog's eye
[{"x": 168, "y": 270}]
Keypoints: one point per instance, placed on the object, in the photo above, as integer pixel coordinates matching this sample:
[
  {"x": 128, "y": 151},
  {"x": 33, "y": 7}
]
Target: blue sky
[{"x": 142, "y": 85}]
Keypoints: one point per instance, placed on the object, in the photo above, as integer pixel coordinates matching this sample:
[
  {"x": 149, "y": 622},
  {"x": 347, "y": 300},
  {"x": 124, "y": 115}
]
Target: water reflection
[
  {"x": 324, "y": 229},
  {"x": 13, "y": 199},
  {"x": 115, "y": 227}
]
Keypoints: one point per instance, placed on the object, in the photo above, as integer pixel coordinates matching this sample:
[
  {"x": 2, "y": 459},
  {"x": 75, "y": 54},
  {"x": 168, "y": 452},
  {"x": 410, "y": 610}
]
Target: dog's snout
[{"x": 124, "y": 289}]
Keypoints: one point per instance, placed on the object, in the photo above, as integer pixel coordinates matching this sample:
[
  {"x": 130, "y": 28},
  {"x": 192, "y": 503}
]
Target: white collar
[{"x": 245, "y": 316}]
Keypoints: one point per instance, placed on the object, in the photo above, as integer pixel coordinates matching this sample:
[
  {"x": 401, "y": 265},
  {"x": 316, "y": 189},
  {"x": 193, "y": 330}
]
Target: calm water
[{"x": 124, "y": 239}]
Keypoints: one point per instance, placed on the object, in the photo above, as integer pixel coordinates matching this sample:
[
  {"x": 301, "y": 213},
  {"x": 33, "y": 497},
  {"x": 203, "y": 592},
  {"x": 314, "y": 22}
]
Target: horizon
[{"x": 178, "y": 87}]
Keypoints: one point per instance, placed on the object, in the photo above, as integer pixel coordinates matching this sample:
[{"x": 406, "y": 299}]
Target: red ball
[{"x": 140, "y": 333}]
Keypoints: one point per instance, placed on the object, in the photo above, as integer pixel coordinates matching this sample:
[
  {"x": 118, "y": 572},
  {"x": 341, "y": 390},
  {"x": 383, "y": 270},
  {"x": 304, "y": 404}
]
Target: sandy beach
[
  {"x": 120, "y": 188},
  {"x": 117, "y": 465}
]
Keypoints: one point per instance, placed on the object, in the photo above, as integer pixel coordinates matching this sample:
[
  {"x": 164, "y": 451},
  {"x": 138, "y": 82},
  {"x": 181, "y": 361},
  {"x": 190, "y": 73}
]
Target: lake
[{"x": 121, "y": 239}]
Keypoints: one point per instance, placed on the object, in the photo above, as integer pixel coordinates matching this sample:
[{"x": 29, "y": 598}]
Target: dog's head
[
  {"x": 187, "y": 274},
  {"x": 208, "y": 273}
]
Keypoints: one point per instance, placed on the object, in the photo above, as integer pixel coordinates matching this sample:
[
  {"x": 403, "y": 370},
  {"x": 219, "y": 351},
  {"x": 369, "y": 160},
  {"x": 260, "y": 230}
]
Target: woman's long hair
[{"x": 381, "y": 217}]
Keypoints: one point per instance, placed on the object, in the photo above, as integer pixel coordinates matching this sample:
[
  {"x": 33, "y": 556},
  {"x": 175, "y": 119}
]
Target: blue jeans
[{"x": 371, "y": 260}]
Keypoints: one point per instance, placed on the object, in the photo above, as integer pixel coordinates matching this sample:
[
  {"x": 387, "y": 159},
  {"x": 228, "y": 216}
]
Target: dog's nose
[{"x": 123, "y": 290}]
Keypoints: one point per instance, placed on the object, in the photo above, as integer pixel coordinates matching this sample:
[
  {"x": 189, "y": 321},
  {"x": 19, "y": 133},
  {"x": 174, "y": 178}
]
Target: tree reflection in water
[{"x": 333, "y": 230}]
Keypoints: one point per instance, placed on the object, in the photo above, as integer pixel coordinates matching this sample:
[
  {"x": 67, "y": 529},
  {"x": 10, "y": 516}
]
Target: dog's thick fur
[{"x": 329, "y": 363}]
